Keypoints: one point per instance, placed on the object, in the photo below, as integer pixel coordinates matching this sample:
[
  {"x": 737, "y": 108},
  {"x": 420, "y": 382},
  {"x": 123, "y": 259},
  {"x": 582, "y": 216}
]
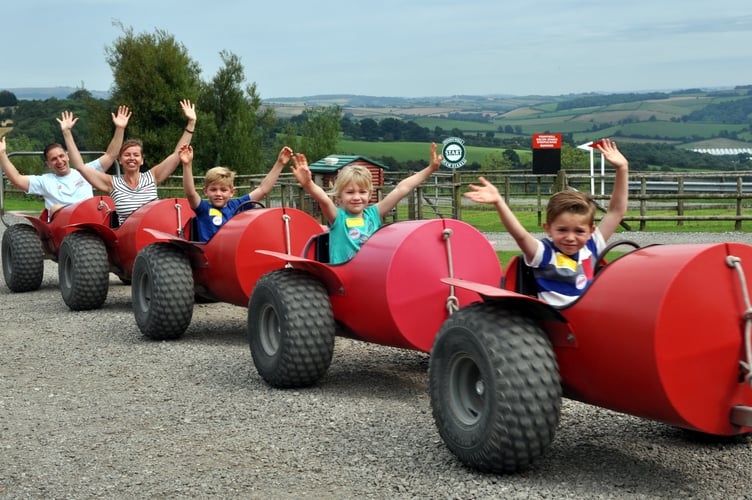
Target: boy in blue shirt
[
  {"x": 219, "y": 189},
  {"x": 563, "y": 261}
]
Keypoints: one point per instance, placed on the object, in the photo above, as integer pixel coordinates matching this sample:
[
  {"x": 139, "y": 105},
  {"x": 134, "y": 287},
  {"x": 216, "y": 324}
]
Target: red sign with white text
[{"x": 546, "y": 141}]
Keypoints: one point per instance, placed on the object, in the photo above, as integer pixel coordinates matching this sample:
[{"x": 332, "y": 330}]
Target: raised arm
[
  {"x": 617, "y": 207},
  {"x": 11, "y": 172},
  {"x": 407, "y": 185},
  {"x": 113, "y": 149},
  {"x": 169, "y": 164},
  {"x": 305, "y": 178},
  {"x": 98, "y": 180},
  {"x": 186, "y": 158},
  {"x": 487, "y": 193},
  {"x": 267, "y": 184}
]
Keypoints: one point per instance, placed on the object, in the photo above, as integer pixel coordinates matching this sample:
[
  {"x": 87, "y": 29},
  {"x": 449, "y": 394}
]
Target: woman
[{"x": 134, "y": 188}]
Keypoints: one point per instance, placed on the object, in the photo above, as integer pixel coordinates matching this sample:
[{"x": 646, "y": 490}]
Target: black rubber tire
[
  {"x": 83, "y": 270},
  {"x": 162, "y": 291},
  {"x": 495, "y": 388},
  {"x": 291, "y": 328},
  {"x": 23, "y": 260}
]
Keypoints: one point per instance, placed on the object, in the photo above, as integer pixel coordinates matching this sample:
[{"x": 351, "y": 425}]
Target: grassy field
[{"x": 406, "y": 151}]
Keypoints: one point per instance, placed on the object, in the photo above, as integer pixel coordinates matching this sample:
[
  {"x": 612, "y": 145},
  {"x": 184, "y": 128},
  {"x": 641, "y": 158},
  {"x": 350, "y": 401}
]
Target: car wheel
[
  {"x": 291, "y": 328},
  {"x": 83, "y": 271},
  {"x": 495, "y": 388},
  {"x": 162, "y": 291},
  {"x": 23, "y": 261}
]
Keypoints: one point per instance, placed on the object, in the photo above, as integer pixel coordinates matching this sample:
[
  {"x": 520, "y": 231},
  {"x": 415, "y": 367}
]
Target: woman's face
[{"x": 131, "y": 158}]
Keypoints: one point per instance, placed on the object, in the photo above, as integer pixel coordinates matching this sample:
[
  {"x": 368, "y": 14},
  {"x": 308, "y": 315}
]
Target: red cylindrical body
[
  {"x": 660, "y": 335},
  {"x": 392, "y": 290},
  {"x": 168, "y": 215},
  {"x": 232, "y": 264},
  {"x": 95, "y": 210}
]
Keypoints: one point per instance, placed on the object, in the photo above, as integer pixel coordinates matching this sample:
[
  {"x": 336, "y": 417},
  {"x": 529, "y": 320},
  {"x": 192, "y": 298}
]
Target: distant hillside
[
  {"x": 42, "y": 93},
  {"x": 686, "y": 118}
]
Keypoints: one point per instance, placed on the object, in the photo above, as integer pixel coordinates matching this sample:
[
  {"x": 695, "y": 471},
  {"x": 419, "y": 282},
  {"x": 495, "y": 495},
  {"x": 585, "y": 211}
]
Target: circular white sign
[{"x": 453, "y": 153}]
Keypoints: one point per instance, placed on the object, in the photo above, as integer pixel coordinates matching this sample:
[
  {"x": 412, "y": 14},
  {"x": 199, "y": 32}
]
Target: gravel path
[{"x": 91, "y": 409}]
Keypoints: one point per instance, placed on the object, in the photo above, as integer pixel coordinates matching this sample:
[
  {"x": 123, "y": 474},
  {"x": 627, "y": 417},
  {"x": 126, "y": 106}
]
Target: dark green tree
[
  {"x": 320, "y": 132},
  {"x": 235, "y": 122},
  {"x": 7, "y": 98},
  {"x": 152, "y": 73}
]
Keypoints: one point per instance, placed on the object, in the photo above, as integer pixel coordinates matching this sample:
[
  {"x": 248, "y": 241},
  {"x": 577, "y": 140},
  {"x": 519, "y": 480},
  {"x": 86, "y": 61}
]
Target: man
[{"x": 64, "y": 185}]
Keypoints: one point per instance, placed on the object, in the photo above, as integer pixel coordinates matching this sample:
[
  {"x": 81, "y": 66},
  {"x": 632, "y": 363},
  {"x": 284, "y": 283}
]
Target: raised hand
[
  {"x": 300, "y": 169},
  {"x": 189, "y": 109},
  {"x": 122, "y": 117},
  {"x": 66, "y": 121}
]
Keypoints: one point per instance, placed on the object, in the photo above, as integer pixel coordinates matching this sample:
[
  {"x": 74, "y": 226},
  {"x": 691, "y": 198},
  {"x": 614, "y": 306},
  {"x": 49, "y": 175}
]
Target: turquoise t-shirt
[{"x": 348, "y": 233}]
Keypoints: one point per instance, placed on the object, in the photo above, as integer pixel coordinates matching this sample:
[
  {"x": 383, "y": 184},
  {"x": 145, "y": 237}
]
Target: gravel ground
[{"x": 91, "y": 409}]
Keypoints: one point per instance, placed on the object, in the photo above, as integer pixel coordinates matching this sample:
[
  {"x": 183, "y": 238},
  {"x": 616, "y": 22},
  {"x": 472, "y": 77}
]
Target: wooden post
[
  {"x": 680, "y": 204},
  {"x": 739, "y": 192},
  {"x": 539, "y": 201},
  {"x": 643, "y": 202}
]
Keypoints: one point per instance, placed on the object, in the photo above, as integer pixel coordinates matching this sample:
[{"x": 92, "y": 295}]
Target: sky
[{"x": 399, "y": 48}]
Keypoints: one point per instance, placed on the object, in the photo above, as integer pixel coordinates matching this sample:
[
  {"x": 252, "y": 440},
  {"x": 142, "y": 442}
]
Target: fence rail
[{"x": 654, "y": 197}]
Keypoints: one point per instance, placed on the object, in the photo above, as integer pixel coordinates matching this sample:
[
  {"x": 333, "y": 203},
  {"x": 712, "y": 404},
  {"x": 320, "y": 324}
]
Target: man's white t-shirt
[{"x": 62, "y": 190}]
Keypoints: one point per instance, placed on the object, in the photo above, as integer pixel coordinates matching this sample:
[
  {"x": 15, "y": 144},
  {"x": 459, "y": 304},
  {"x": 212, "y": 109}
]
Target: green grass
[
  {"x": 407, "y": 151},
  {"x": 25, "y": 205}
]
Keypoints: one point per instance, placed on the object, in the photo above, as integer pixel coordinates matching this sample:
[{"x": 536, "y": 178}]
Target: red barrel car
[
  {"x": 26, "y": 245},
  {"x": 663, "y": 333},
  {"x": 390, "y": 293},
  {"x": 172, "y": 270}
]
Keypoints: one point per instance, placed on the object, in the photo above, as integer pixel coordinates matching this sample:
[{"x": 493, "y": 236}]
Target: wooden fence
[{"x": 653, "y": 197}]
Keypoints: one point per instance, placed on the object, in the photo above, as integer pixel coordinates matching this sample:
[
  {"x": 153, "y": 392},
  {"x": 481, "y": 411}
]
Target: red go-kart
[
  {"x": 390, "y": 293},
  {"x": 663, "y": 333},
  {"x": 95, "y": 249},
  {"x": 172, "y": 270},
  {"x": 26, "y": 245}
]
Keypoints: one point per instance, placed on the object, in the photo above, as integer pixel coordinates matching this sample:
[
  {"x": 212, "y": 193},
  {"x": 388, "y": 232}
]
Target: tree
[
  {"x": 573, "y": 158},
  {"x": 152, "y": 72},
  {"x": 8, "y": 98},
  {"x": 496, "y": 160},
  {"x": 369, "y": 129},
  {"x": 235, "y": 122},
  {"x": 320, "y": 132}
]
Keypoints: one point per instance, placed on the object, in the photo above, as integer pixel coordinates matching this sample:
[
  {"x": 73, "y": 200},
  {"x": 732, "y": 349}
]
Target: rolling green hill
[{"x": 684, "y": 118}]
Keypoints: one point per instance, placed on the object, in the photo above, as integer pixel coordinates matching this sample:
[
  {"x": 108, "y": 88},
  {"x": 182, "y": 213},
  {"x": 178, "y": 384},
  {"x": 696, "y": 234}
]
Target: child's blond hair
[
  {"x": 220, "y": 175},
  {"x": 357, "y": 174}
]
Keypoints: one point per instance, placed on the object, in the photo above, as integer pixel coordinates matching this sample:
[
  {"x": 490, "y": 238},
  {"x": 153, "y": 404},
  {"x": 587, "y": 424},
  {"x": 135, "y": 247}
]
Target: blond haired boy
[{"x": 219, "y": 189}]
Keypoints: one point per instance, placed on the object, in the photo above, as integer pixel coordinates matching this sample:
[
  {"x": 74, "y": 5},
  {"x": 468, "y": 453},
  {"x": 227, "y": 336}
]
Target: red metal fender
[
  {"x": 660, "y": 335},
  {"x": 391, "y": 292},
  {"x": 534, "y": 307}
]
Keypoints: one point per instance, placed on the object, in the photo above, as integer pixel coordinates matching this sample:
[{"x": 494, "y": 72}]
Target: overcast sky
[{"x": 407, "y": 48}]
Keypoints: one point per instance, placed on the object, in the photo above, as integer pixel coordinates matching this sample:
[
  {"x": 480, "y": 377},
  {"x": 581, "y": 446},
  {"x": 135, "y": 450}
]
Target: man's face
[{"x": 57, "y": 161}]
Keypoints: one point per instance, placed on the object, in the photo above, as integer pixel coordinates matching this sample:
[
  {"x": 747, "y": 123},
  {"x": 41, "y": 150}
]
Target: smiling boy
[
  {"x": 219, "y": 189},
  {"x": 563, "y": 261}
]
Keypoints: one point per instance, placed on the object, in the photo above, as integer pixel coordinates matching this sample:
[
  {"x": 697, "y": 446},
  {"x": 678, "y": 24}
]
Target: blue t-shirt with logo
[{"x": 209, "y": 218}]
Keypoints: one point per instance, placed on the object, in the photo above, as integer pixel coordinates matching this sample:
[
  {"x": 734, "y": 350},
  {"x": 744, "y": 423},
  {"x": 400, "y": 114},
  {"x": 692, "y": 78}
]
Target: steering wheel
[
  {"x": 599, "y": 262},
  {"x": 247, "y": 205}
]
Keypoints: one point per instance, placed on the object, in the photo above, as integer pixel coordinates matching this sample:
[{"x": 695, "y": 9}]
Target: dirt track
[{"x": 91, "y": 409}]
